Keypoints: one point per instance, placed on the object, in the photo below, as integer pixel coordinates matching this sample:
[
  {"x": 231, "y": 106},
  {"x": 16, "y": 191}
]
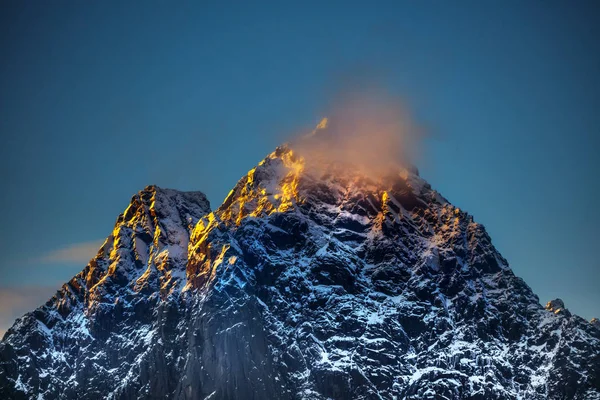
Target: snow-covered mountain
[{"x": 306, "y": 283}]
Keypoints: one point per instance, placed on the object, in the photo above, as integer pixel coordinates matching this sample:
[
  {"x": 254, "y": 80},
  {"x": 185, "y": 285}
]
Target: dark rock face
[{"x": 304, "y": 284}]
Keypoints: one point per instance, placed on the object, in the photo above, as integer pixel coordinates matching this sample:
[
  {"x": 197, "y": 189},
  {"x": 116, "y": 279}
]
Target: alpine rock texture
[{"x": 306, "y": 283}]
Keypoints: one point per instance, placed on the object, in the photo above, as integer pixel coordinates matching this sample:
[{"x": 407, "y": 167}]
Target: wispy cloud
[
  {"x": 77, "y": 253},
  {"x": 367, "y": 128},
  {"x": 16, "y": 301}
]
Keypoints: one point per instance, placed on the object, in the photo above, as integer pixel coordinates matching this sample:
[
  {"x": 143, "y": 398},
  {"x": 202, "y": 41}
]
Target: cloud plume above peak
[{"x": 371, "y": 130}]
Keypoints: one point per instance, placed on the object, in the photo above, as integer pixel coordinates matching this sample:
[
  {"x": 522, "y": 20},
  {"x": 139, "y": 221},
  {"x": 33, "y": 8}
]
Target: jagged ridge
[{"x": 308, "y": 282}]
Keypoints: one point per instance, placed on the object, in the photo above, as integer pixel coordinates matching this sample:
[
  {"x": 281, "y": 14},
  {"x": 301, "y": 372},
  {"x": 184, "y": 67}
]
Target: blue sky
[{"x": 99, "y": 99}]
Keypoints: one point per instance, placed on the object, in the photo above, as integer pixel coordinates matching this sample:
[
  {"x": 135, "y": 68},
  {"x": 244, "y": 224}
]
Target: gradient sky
[{"x": 99, "y": 99}]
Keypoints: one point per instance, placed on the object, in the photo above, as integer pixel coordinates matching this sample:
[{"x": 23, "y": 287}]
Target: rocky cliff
[{"x": 306, "y": 283}]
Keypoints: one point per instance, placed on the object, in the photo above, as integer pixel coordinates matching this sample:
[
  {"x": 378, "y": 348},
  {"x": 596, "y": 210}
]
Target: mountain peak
[
  {"x": 294, "y": 173},
  {"x": 317, "y": 278},
  {"x": 155, "y": 197},
  {"x": 147, "y": 249},
  {"x": 557, "y": 306}
]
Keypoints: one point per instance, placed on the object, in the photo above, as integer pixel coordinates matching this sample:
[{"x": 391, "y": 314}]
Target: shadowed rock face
[{"x": 305, "y": 284}]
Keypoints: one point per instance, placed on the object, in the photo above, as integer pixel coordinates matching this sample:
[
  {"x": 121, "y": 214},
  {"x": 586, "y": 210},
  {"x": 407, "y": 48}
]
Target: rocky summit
[{"x": 306, "y": 283}]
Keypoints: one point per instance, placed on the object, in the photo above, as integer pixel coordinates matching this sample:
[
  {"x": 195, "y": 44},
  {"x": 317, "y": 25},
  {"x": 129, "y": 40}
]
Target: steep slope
[
  {"x": 308, "y": 282},
  {"x": 96, "y": 327}
]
